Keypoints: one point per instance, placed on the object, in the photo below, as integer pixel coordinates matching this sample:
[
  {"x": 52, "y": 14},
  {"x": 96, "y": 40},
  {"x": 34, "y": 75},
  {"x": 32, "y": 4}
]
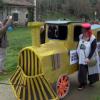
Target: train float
[{"x": 51, "y": 59}]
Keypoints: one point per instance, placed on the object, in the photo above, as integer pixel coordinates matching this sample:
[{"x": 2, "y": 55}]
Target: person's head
[
  {"x": 86, "y": 29},
  {"x": 42, "y": 29}
]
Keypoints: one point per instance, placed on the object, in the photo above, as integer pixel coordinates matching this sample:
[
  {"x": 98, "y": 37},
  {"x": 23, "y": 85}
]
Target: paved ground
[
  {"x": 90, "y": 93},
  {"x": 6, "y": 92}
]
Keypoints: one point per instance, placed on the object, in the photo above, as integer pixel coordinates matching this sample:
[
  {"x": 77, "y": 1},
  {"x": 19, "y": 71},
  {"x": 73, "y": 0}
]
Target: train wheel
[{"x": 63, "y": 85}]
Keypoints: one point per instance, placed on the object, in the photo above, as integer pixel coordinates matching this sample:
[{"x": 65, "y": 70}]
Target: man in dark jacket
[{"x": 3, "y": 41}]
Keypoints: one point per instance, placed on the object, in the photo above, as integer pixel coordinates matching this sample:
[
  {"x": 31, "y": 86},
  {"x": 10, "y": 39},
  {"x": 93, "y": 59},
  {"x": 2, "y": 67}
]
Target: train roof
[
  {"x": 64, "y": 22},
  {"x": 59, "y": 22},
  {"x": 95, "y": 26}
]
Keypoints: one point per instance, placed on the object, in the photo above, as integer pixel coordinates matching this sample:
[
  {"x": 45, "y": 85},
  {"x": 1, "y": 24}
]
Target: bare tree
[
  {"x": 78, "y": 8},
  {"x": 98, "y": 9},
  {"x": 1, "y": 3}
]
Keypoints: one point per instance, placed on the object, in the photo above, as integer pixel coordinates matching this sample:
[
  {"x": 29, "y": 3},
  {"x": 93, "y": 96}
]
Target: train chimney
[{"x": 35, "y": 30}]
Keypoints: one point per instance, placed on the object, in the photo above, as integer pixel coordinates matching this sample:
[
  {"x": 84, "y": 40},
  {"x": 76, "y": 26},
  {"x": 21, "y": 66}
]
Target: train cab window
[
  {"x": 77, "y": 32},
  {"x": 98, "y": 36},
  {"x": 57, "y": 32}
]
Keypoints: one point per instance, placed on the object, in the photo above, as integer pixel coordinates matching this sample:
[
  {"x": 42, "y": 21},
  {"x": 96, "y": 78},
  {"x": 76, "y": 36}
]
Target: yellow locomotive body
[{"x": 42, "y": 64}]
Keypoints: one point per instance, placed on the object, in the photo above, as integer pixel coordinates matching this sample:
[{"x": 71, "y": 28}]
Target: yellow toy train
[{"x": 49, "y": 61}]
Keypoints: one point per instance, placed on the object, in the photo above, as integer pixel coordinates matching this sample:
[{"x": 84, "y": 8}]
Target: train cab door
[{"x": 77, "y": 30}]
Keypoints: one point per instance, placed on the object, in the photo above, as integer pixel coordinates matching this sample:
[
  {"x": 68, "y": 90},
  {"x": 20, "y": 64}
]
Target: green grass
[{"x": 18, "y": 39}]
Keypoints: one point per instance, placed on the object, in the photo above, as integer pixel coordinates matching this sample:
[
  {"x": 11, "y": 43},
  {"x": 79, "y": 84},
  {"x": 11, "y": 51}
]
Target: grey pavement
[
  {"x": 89, "y": 93},
  {"x": 6, "y": 92}
]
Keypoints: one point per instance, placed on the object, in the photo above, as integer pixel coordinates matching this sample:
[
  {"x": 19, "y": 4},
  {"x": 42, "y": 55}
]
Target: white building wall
[{"x": 22, "y": 11}]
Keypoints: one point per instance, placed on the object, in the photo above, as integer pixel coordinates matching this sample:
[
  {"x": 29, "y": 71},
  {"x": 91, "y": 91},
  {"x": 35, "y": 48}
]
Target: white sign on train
[
  {"x": 73, "y": 57},
  {"x": 98, "y": 46}
]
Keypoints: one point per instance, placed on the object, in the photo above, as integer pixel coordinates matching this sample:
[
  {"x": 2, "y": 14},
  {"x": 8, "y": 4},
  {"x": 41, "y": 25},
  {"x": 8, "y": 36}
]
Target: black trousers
[{"x": 83, "y": 75}]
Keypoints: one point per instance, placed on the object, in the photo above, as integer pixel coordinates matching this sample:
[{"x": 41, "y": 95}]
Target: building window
[
  {"x": 15, "y": 16},
  {"x": 26, "y": 15}
]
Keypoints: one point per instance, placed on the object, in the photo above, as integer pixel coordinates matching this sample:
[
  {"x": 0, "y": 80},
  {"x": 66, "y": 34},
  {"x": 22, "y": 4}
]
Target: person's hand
[
  {"x": 10, "y": 17},
  {"x": 87, "y": 60}
]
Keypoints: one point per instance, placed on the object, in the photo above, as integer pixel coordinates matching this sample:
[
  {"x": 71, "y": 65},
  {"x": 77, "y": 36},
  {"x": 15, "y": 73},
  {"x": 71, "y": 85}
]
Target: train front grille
[{"x": 29, "y": 62}]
